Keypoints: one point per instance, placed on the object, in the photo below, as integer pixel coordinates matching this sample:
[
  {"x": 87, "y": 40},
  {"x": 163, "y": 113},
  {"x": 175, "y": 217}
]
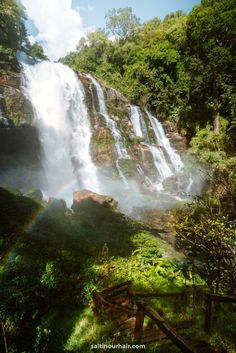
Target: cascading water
[
  {"x": 163, "y": 142},
  {"x": 160, "y": 163},
  {"x": 110, "y": 124},
  {"x": 135, "y": 118},
  {"x": 61, "y": 116}
]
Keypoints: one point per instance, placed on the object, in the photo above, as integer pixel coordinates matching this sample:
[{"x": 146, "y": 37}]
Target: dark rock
[
  {"x": 35, "y": 195},
  {"x": 57, "y": 205},
  {"x": 14, "y": 104},
  {"x": 114, "y": 94}
]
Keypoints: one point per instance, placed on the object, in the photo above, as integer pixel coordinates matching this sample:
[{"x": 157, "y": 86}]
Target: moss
[
  {"x": 102, "y": 145},
  {"x": 128, "y": 166},
  {"x": 116, "y": 108}
]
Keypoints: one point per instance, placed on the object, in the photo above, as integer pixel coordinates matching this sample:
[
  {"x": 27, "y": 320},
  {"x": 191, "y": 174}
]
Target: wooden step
[
  {"x": 153, "y": 336},
  {"x": 129, "y": 323},
  {"x": 159, "y": 343},
  {"x": 153, "y": 332}
]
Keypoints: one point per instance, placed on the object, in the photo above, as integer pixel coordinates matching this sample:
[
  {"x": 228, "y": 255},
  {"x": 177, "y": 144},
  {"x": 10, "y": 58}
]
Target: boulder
[
  {"x": 86, "y": 195},
  {"x": 114, "y": 94}
]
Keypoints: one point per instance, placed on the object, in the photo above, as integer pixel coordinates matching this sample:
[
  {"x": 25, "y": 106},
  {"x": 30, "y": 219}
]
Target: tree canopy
[
  {"x": 122, "y": 23},
  {"x": 12, "y": 29}
]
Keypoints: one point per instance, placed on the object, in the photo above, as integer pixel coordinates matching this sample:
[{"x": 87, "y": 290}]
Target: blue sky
[
  {"x": 94, "y": 11},
  {"x": 58, "y": 25}
]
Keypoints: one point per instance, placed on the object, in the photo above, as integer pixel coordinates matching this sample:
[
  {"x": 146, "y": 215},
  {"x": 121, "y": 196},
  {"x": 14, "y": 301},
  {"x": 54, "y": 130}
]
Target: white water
[
  {"x": 135, "y": 117},
  {"x": 189, "y": 186},
  {"x": 3, "y": 119},
  {"x": 61, "y": 116},
  {"x": 164, "y": 142},
  {"x": 121, "y": 174},
  {"x": 110, "y": 124},
  {"x": 160, "y": 163}
]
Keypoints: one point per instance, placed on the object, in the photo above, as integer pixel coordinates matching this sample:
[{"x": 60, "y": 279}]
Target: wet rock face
[
  {"x": 14, "y": 104},
  {"x": 20, "y": 148}
]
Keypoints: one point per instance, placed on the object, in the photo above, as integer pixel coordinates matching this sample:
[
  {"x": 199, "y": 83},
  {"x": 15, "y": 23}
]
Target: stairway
[
  {"x": 126, "y": 327},
  {"x": 135, "y": 319}
]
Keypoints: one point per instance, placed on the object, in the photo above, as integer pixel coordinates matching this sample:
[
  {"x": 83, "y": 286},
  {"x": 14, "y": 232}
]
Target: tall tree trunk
[
  {"x": 216, "y": 103},
  {"x": 216, "y": 116}
]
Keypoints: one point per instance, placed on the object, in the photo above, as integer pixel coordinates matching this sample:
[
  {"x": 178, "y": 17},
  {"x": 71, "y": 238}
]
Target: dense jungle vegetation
[{"x": 184, "y": 69}]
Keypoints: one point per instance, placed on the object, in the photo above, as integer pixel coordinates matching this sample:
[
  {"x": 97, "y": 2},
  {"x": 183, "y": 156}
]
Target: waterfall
[
  {"x": 160, "y": 163},
  {"x": 110, "y": 124},
  {"x": 121, "y": 174},
  {"x": 136, "y": 120},
  {"x": 61, "y": 115},
  {"x": 164, "y": 142}
]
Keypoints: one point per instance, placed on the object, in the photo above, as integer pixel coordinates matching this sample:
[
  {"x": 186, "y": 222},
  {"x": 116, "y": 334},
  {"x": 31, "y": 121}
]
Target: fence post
[
  {"x": 138, "y": 330},
  {"x": 208, "y": 313},
  {"x": 4, "y": 337},
  {"x": 128, "y": 299}
]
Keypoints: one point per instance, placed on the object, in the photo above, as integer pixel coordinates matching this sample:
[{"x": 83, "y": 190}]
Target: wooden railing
[
  {"x": 215, "y": 298},
  {"x": 145, "y": 310},
  {"x": 112, "y": 298}
]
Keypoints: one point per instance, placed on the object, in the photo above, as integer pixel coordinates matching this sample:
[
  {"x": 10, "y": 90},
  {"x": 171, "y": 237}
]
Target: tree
[
  {"x": 173, "y": 15},
  {"x": 211, "y": 46},
  {"x": 36, "y": 52},
  {"x": 208, "y": 236},
  {"x": 12, "y": 29},
  {"x": 122, "y": 23},
  {"x": 151, "y": 25}
]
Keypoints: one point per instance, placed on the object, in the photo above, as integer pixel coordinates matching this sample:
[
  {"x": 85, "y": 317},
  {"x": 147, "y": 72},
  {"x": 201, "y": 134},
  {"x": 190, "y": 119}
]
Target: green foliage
[
  {"x": 209, "y": 237},
  {"x": 36, "y": 52},
  {"x": 13, "y": 33},
  {"x": 7, "y": 56},
  {"x": 210, "y": 146},
  {"x": 59, "y": 259},
  {"x": 43, "y": 280},
  {"x": 147, "y": 68},
  {"x": 210, "y": 44},
  {"x": 183, "y": 67}
]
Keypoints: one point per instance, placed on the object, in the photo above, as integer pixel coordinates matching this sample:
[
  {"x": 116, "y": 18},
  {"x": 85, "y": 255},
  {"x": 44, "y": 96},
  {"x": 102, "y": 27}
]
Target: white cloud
[{"x": 60, "y": 27}]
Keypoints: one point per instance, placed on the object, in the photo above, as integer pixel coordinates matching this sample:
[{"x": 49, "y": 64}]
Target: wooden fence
[{"x": 112, "y": 299}]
